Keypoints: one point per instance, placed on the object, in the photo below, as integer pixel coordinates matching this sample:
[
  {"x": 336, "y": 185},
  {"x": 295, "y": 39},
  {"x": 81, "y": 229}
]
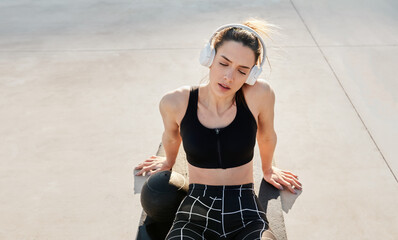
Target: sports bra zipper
[{"x": 219, "y": 147}]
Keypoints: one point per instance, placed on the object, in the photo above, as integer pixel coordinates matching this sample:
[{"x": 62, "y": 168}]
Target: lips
[{"x": 224, "y": 86}]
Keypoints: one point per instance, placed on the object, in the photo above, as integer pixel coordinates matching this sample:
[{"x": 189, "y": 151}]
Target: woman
[{"x": 218, "y": 123}]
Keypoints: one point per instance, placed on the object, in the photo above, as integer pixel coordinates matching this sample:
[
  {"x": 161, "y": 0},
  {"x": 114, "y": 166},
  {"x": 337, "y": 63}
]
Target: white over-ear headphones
[{"x": 208, "y": 52}]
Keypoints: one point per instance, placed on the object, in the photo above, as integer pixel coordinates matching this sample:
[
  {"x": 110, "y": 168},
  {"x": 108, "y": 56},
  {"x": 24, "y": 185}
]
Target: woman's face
[{"x": 230, "y": 68}]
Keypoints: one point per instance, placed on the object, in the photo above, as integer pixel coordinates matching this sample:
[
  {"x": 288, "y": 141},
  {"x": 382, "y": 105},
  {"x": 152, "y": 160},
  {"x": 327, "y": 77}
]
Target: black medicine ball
[{"x": 162, "y": 194}]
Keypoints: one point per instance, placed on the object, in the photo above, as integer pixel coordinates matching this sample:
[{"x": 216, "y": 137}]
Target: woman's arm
[
  {"x": 267, "y": 139},
  {"x": 171, "y": 139},
  {"x": 266, "y": 136}
]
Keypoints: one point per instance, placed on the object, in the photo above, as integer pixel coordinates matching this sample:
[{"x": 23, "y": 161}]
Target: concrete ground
[{"x": 80, "y": 83}]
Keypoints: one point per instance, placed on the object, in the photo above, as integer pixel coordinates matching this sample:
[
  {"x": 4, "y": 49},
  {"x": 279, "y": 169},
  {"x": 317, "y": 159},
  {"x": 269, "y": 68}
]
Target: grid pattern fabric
[{"x": 219, "y": 212}]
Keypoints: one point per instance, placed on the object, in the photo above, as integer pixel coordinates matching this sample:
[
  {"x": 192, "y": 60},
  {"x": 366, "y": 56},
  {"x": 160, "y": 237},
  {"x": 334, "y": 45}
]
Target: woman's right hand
[{"x": 152, "y": 165}]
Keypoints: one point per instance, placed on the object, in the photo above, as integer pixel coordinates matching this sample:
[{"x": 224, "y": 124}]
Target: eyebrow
[{"x": 231, "y": 61}]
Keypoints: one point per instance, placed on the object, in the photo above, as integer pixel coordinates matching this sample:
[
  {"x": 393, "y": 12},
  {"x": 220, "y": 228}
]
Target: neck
[{"x": 215, "y": 102}]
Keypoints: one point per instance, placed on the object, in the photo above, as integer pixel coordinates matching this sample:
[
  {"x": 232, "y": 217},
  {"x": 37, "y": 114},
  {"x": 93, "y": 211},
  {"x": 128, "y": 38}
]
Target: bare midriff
[{"x": 230, "y": 176}]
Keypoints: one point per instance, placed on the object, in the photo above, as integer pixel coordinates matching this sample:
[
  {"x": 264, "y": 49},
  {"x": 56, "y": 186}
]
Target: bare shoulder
[
  {"x": 175, "y": 102},
  {"x": 260, "y": 99},
  {"x": 259, "y": 94}
]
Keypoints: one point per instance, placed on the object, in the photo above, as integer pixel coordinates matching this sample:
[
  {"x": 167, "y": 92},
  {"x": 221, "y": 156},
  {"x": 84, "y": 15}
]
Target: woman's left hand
[{"x": 279, "y": 178}]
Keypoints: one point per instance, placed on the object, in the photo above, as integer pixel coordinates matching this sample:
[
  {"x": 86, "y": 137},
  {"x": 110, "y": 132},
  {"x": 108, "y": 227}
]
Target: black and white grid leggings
[{"x": 220, "y": 212}]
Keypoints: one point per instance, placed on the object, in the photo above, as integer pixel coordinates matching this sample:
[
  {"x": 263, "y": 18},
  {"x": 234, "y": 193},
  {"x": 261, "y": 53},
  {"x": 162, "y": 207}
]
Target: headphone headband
[
  {"x": 208, "y": 53},
  {"x": 248, "y": 29}
]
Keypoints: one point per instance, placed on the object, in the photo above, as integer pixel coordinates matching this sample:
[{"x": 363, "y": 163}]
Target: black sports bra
[{"x": 226, "y": 147}]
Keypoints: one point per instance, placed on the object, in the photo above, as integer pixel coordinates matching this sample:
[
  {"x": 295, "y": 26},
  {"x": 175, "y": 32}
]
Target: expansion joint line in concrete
[
  {"x": 345, "y": 92},
  {"x": 180, "y": 49},
  {"x": 100, "y": 50}
]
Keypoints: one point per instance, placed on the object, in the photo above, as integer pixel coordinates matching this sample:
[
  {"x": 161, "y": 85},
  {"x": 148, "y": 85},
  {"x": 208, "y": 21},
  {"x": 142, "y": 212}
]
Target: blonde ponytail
[{"x": 262, "y": 27}]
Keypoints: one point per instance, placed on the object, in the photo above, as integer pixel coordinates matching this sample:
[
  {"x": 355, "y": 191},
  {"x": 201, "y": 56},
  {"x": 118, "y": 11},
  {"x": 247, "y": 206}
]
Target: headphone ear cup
[
  {"x": 254, "y": 74},
  {"x": 207, "y": 55}
]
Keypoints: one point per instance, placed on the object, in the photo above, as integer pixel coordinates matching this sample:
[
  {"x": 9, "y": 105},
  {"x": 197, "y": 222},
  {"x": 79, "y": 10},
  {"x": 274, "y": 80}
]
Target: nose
[{"x": 229, "y": 75}]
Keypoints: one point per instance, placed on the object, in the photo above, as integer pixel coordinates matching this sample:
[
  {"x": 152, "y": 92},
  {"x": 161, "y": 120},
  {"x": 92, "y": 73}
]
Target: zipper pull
[{"x": 217, "y": 130}]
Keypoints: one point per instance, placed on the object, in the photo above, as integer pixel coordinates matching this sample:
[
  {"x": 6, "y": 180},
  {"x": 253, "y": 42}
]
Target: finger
[
  {"x": 291, "y": 189},
  {"x": 153, "y": 171},
  {"x": 294, "y": 182},
  {"x": 139, "y": 173},
  {"x": 296, "y": 185},
  {"x": 138, "y": 167},
  {"x": 144, "y": 170},
  {"x": 145, "y": 163},
  {"x": 276, "y": 184},
  {"x": 148, "y": 168},
  {"x": 290, "y": 173},
  {"x": 288, "y": 186}
]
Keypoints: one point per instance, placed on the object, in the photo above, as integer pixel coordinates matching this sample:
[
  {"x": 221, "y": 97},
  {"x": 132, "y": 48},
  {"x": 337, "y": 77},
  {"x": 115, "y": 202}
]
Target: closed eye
[{"x": 222, "y": 64}]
